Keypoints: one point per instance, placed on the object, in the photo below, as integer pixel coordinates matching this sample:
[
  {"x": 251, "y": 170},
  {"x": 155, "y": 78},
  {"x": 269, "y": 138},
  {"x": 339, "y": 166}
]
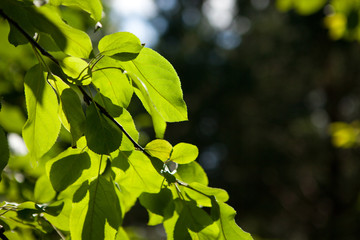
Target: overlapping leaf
[
  {"x": 160, "y": 205},
  {"x": 102, "y": 136},
  {"x": 112, "y": 83},
  {"x": 43, "y": 120},
  {"x": 224, "y": 216},
  {"x": 47, "y": 21},
  {"x": 94, "y": 7},
  {"x": 96, "y": 212},
  {"x": 194, "y": 223},
  {"x": 134, "y": 174}
]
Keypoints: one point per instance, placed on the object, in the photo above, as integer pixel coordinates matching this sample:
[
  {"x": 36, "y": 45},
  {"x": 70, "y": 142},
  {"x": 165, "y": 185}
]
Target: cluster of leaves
[
  {"x": 86, "y": 190},
  {"x": 342, "y": 17}
]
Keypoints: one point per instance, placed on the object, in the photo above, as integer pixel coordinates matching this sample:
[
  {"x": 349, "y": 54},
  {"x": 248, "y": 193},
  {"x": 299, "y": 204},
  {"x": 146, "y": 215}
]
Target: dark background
[{"x": 260, "y": 115}]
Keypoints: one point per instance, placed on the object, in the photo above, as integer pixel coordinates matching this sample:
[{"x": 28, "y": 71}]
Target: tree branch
[{"x": 87, "y": 98}]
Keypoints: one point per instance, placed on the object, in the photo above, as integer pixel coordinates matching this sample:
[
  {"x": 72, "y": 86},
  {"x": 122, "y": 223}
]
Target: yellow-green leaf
[
  {"x": 184, "y": 153},
  {"x": 159, "y": 148},
  {"x": 43, "y": 125}
]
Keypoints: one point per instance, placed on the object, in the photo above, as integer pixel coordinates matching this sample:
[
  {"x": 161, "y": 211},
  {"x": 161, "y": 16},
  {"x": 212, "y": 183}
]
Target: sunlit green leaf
[
  {"x": 72, "y": 41},
  {"x": 112, "y": 83},
  {"x": 134, "y": 175},
  {"x": 120, "y": 43},
  {"x": 143, "y": 94},
  {"x": 94, "y": 7},
  {"x": 128, "y": 124},
  {"x": 192, "y": 172},
  {"x": 201, "y": 193},
  {"x": 159, "y": 205},
  {"x": 62, "y": 220},
  {"x": 102, "y": 136},
  {"x": 97, "y": 213},
  {"x": 70, "y": 111},
  {"x": 67, "y": 170},
  {"x": 77, "y": 70},
  {"x": 197, "y": 222},
  {"x": 225, "y": 219},
  {"x": 184, "y": 153},
  {"x": 43, "y": 125},
  {"x": 43, "y": 191},
  {"x": 161, "y": 82},
  {"x": 159, "y": 148},
  {"x": 71, "y": 106},
  {"x": 122, "y": 235},
  {"x": 4, "y": 150}
]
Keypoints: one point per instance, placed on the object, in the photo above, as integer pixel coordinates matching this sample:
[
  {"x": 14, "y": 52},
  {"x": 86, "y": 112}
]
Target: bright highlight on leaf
[
  {"x": 96, "y": 212},
  {"x": 43, "y": 120},
  {"x": 77, "y": 70},
  {"x": 162, "y": 84},
  {"x": 184, "y": 153},
  {"x": 159, "y": 148},
  {"x": 122, "y": 43}
]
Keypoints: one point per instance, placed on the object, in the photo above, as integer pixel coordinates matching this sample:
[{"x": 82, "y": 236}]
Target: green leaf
[
  {"x": 120, "y": 43},
  {"x": 72, "y": 109},
  {"x": 160, "y": 149},
  {"x": 143, "y": 94},
  {"x": 94, "y": 7},
  {"x": 128, "y": 124},
  {"x": 72, "y": 41},
  {"x": 225, "y": 219},
  {"x": 159, "y": 205},
  {"x": 46, "y": 20},
  {"x": 43, "y": 125},
  {"x": 87, "y": 173},
  {"x": 162, "y": 83},
  {"x": 18, "y": 12},
  {"x": 196, "y": 192},
  {"x": 67, "y": 170},
  {"x": 184, "y": 153},
  {"x": 134, "y": 174},
  {"x": 112, "y": 83},
  {"x": 4, "y": 151},
  {"x": 77, "y": 70},
  {"x": 61, "y": 221},
  {"x": 97, "y": 214},
  {"x": 198, "y": 223},
  {"x": 102, "y": 136},
  {"x": 192, "y": 172},
  {"x": 43, "y": 191},
  {"x": 122, "y": 235}
]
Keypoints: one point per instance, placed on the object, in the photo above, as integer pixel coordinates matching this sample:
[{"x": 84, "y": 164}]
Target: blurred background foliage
[{"x": 272, "y": 89}]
